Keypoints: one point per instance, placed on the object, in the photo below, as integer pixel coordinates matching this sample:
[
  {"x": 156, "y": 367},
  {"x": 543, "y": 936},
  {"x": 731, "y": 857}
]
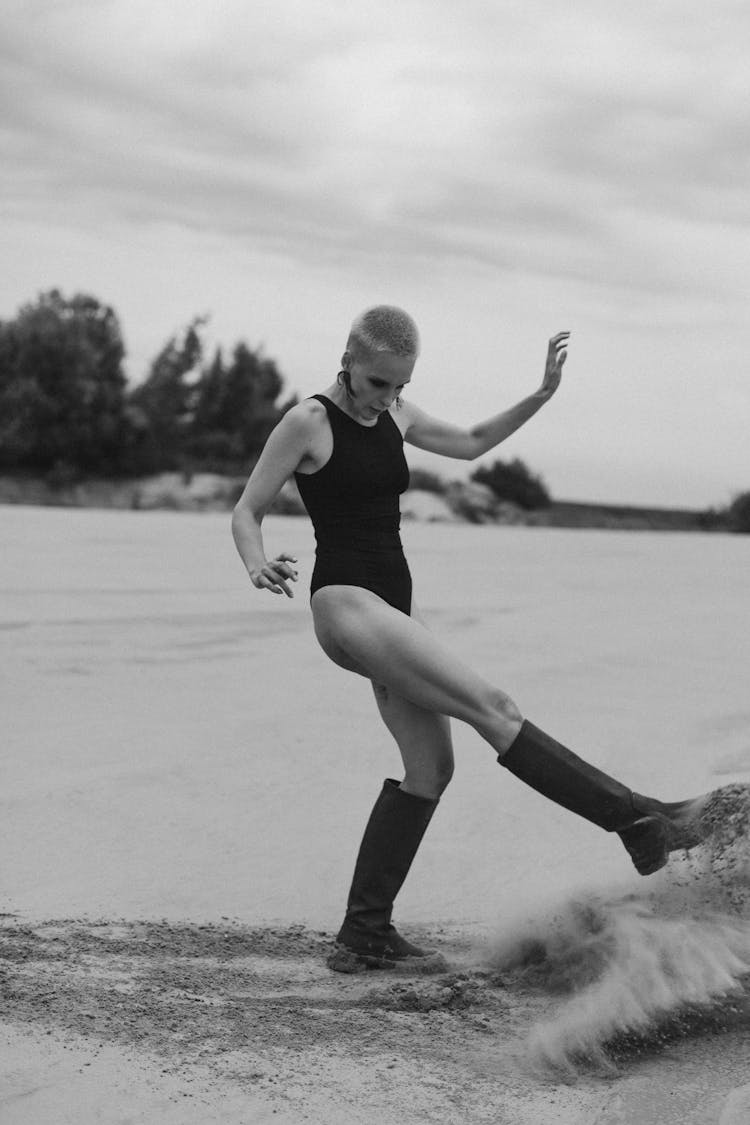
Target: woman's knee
[
  {"x": 500, "y": 719},
  {"x": 444, "y": 774},
  {"x": 424, "y": 741},
  {"x": 428, "y": 780}
]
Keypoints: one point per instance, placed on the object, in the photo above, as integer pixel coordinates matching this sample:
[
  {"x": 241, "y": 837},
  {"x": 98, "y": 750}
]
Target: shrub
[
  {"x": 514, "y": 482},
  {"x": 738, "y": 514},
  {"x": 426, "y": 481}
]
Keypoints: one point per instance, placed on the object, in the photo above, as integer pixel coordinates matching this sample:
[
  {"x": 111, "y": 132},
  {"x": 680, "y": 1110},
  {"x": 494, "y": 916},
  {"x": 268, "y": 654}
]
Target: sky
[{"x": 501, "y": 170}]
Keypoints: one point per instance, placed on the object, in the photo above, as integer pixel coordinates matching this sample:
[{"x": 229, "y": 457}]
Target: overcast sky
[{"x": 502, "y": 170}]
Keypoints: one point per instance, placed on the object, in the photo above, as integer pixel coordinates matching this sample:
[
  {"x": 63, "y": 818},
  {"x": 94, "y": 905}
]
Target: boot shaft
[
  {"x": 394, "y": 831},
  {"x": 557, "y": 773}
]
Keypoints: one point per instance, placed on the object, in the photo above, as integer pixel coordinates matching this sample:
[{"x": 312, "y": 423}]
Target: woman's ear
[{"x": 346, "y": 361}]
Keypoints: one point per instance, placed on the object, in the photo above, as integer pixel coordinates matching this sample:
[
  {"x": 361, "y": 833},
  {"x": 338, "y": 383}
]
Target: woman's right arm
[{"x": 282, "y": 453}]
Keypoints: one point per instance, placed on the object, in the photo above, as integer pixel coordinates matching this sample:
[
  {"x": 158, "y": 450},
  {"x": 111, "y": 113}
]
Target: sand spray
[{"x": 645, "y": 967}]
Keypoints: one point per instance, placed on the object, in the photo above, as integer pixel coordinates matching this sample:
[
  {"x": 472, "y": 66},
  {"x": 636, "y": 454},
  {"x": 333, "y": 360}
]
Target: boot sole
[{"x": 343, "y": 960}]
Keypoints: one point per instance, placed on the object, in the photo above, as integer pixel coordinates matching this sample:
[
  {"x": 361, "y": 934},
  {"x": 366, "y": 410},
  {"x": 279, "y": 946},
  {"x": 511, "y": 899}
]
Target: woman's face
[{"x": 377, "y": 381}]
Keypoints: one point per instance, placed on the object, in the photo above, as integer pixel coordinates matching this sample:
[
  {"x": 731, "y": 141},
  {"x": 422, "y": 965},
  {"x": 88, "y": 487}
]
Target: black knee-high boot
[
  {"x": 649, "y": 829},
  {"x": 397, "y": 823}
]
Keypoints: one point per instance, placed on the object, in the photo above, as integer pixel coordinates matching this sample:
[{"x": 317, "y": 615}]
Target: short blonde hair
[{"x": 383, "y": 328}]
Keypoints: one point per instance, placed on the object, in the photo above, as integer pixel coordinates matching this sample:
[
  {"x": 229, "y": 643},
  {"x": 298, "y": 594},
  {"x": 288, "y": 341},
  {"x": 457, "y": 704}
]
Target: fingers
[
  {"x": 265, "y": 579},
  {"x": 281, "y": 566},
  {"x": 557, "y": 352},
  {"x": 274, "y": 575},
  {"x": 282, "y": 570},
  {"x": 557, "y": 348}
]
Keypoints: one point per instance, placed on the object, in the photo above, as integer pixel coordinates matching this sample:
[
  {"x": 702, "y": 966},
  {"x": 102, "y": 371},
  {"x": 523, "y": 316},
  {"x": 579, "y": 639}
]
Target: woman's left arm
[{"x": 453, "y": 441}]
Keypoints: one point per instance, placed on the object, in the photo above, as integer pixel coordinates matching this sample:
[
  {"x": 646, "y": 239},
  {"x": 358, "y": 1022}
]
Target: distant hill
[{"x": 575, "y": 513}]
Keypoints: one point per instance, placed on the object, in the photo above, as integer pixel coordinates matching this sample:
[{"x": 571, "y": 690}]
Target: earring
[{"x": 399, "y": 403}]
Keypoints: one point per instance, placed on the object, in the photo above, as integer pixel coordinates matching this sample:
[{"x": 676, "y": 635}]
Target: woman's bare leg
[
  {"x": 393, "y": 833},
  {"x": 392, "y": 837},
  {"x": 423, "y": 738},
  {"x": 360, "y": 632},
  {"x": 424, "y": 742}
]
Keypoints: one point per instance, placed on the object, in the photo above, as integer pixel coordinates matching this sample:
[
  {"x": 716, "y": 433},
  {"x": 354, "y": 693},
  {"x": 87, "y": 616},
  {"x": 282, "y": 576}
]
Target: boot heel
[
  {"x": 343, "y": 960},
  {"x": 646, "y": 844}
]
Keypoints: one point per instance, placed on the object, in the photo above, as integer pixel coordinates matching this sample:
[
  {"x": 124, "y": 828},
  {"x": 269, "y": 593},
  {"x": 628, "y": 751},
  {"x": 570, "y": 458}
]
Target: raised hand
[
  {"x": 275, "y": 575},
  {"x": 557, "y": 353}
]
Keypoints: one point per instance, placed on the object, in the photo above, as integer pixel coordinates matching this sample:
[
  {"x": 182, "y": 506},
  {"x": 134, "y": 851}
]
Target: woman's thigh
[{"x": 362, "y": 633}]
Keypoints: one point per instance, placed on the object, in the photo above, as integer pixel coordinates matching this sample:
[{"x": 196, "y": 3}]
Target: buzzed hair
[{"x": 383, "y": 328}]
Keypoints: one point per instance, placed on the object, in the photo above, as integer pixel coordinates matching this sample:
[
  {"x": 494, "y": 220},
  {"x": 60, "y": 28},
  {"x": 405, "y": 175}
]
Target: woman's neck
[{"x": 338, "y": 396}]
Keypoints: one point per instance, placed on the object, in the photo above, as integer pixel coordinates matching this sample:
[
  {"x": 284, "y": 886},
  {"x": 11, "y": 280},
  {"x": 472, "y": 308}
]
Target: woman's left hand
[{"x": 557, "y": 353}]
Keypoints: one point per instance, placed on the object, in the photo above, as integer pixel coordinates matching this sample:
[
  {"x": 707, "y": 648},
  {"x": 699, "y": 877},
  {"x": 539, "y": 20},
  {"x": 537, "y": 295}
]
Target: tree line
[{"x": 67, "y": 409}]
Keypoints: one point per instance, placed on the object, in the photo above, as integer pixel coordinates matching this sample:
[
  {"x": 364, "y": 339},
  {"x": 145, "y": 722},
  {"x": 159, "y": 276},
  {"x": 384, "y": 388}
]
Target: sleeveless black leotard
[{"x": 354, "y": 506}]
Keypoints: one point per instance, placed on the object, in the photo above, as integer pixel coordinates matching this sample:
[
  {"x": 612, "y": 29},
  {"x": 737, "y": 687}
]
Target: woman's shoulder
[
  {"x": 403, "y": 413},
  {"x": 304, "y": 424},
  {"x": 309, "y": 432},
  {"x": 306, "y": 415}
]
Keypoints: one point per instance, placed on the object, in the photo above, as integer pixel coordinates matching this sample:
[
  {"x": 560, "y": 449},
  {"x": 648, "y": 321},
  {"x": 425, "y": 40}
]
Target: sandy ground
[{"x": 185, "y": 780}]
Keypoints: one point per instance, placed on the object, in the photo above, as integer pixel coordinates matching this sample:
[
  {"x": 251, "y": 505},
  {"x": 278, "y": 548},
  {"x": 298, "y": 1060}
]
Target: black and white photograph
[{"x": 375, "y": 569}]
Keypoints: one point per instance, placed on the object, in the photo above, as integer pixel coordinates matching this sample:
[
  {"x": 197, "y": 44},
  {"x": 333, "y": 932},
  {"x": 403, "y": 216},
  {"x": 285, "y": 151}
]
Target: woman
[{"x": 345, "y": 448}]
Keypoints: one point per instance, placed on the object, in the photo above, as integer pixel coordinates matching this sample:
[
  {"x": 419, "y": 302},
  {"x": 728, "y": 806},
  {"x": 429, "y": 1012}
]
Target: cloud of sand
[{"x": 641, "y": 967}]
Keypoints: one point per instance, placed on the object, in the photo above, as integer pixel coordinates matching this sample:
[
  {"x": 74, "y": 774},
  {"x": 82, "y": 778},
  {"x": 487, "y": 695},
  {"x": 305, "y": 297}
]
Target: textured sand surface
[{"x": 185, "y": 780}]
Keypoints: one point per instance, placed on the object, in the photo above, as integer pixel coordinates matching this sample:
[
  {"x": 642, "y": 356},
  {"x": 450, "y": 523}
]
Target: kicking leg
[
  {"x": 361, "y": 632},
  {"x": 648, "y": 828}
]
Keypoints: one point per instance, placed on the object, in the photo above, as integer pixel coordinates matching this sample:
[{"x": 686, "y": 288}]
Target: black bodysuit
[{"x": 354, "y": 506}]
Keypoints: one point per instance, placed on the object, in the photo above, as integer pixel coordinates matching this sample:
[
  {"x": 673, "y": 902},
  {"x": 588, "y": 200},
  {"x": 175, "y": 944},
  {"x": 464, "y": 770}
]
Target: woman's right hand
[{"x": 275, "y": 575}]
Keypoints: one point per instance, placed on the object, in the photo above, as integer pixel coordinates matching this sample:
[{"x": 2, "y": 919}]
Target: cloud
[{"x": 572, "y": 143}]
